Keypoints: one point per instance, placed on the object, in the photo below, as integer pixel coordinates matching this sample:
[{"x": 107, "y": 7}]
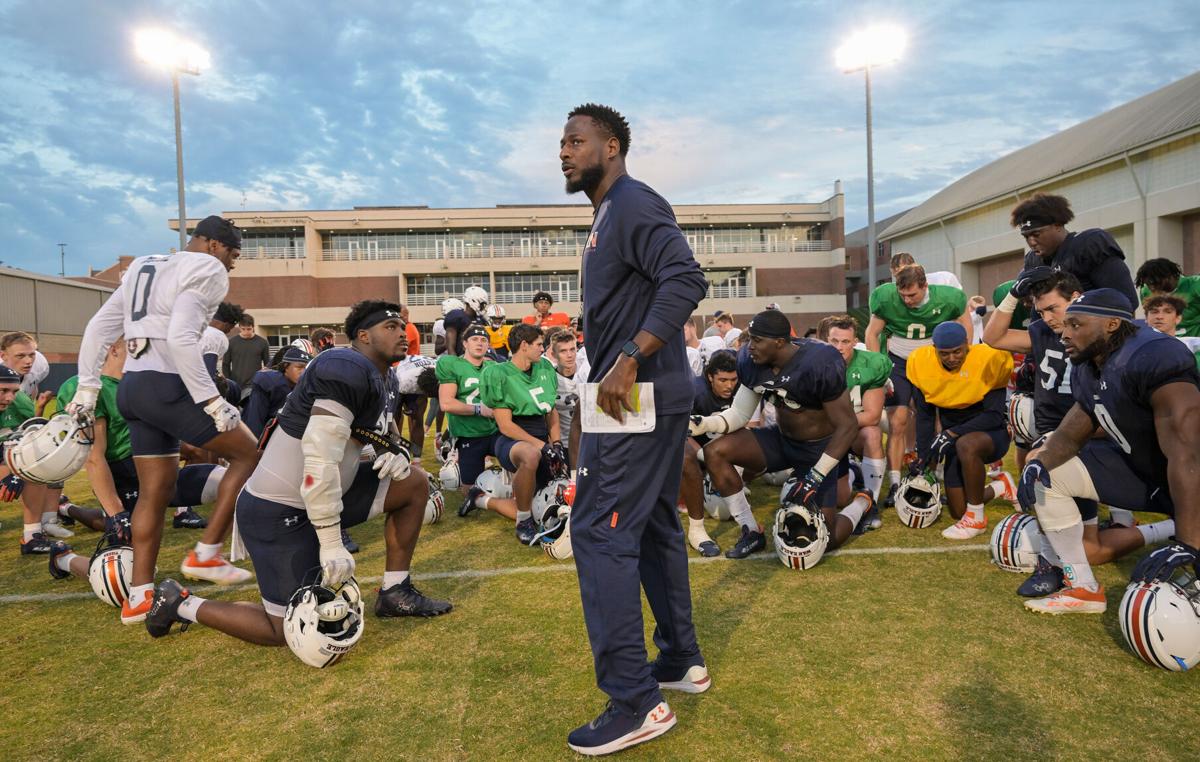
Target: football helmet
[
  {"x": 559, "y": 548},
  {"x": 437, "y": 501},
  {"x": 48, "y": 452},
  {"x": 1161, "y": 621},
  {"x": 495, "y": 315},
  {"x": 496, "y": 482},
  {"x": 776, "y": 478},
  {"x": 1020, "y": 418},
  {"x": 800, "y": 536},
  {"x": 321, "y": 625},
  {"x": 715, "y": 505},
  {"x": 1016, "y": 542},
  {"x": 449, "y": 475},
  {"x": 110, "y": 572},
  {"x": 476, "y": 298},
  {"x": 451, "y": 304},
  {"x": 918, "y": 501}
]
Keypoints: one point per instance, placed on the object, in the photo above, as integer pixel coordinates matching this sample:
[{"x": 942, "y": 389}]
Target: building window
[
  {"x": 470, "y": 244},
  {"x": 727, "y": 284},
  {"x": 756, "y": 240},
  {"x": 519, "y": 288},
  {"x": 268, "y": 244},
  {"x": 434, "y": 289}
]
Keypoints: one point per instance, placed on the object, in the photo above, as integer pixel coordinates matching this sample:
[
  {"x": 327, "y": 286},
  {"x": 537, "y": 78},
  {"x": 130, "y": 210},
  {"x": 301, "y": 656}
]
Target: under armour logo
[
  {"x": 784, "y": 379},
  {"x": 291, "y": 521},
  {"x": 583, "y": 471},
  {"x": 1103, "y": 384}
]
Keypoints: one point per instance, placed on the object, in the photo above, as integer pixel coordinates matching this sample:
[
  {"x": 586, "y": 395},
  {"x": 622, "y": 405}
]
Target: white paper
[{"x": 595, "y": 421}]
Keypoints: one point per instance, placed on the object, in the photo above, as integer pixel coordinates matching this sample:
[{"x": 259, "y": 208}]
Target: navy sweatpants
[{"x": 625, "y": 534}]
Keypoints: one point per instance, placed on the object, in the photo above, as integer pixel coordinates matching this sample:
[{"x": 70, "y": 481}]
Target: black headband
[
  {"x": 375, "y": 318},
  {"x": 770, "y": 324}
]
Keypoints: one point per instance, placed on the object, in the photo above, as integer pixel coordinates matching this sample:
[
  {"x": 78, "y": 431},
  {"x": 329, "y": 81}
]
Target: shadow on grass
[{"x": 994, "y": 722}]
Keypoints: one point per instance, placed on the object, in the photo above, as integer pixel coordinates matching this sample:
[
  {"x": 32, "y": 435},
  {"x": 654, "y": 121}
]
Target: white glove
[
  {"x": 395, "y": 466},
  {"x": 705, "y": 424},
  {"x": 337, "y": 565},
  {"x": 224, "y": 415},
  {"x": 83, "y": 405}
]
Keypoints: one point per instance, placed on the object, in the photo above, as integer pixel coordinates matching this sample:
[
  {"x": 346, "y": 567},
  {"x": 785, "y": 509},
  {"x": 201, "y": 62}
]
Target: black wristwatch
[{"x": 631, "y": 351}]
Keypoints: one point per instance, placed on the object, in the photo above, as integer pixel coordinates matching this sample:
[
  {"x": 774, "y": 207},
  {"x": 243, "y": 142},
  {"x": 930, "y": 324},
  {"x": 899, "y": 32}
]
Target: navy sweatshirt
[{"x": 1093, "y": 257}]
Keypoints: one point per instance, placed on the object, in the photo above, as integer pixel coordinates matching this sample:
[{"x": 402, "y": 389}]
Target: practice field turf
[{"x": 896, "y": 649}]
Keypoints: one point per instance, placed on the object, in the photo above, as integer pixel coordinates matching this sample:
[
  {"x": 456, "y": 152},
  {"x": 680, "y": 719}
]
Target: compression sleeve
[
  {"x": 737, "y": 415},
  {"x": 324, "y": 441}
]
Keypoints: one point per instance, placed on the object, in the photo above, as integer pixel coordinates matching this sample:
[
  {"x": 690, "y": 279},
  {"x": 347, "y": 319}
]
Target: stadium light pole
[
  {"x": 870, "y": 47},
  {"x": 166, "y": 50}
]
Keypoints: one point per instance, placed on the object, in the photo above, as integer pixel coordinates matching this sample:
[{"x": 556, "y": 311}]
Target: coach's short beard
[{"x": 589, "y": 180}]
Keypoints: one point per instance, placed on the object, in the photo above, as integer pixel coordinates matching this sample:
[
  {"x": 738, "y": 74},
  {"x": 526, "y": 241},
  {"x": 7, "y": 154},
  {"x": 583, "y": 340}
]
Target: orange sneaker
[
  {"x": 1071, "y": 600},
  {"x": 1010, "y": 487},
  {"x": 131, "y": 614},
  {"x": 964, "y": 529},
  {"x": 216, "y": 570}
]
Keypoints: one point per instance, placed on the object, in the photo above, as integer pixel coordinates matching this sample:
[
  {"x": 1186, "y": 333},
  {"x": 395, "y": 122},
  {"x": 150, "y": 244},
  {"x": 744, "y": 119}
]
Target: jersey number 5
[
  {"x": 545, "y": 407},
  {"x": 1110, "y": 427},
  {"x": 141, "y": 293}
]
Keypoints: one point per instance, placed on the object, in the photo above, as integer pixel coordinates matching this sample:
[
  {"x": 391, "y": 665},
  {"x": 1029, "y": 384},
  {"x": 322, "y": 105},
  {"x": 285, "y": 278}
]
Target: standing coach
[{"x": 640, "y": 283}]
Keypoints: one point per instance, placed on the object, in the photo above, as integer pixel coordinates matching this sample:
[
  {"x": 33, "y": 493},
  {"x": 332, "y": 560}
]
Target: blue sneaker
[
  {"x": 527, "y": 531},
  {"x": 349, "y": 543},
  {"x": 613, "y": 730},
  {"x": 692, "y": 679},
  {"x": 468, "y": 503},
  {"x": 1046, "y": 579},
  {"x": 749, "y": 543}
]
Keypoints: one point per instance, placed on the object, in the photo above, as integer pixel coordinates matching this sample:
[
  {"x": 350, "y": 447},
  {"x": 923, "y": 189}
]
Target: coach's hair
[
  {"x": 1063, "y": 282},
  {"x": 363, "y": 309},
  {"x": 910, "y": 275},
  {"x": 608, "y": 119},
  {"x": 902, "y": 259},
  {"x": 15, "y": 337},
  {"x": 1159, "y": 275},
  {"x": 845, "y": 322},
  {"x": 1056, "y": 209},
  {"x": 1165, "y": 300},
  {"x": 523, "y": 333},
  {"x": 228, "y": 312},
  {"x": 721, "y": 361}
]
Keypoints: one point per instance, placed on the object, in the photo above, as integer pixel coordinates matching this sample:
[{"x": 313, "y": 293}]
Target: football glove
[
  {"x": 556, "y": 459},
  {"x": 941, "y": 448},
  {"x": 804, "y": 492},
  {"x": 699, "y": 425},
  {"x": 1163, "y": 562},
  {"x": 393, "y": 465},
  {"x": 118, "y": 528},
  {"x": 11, "y": 487},
  {"x": 1035, "y": 472},
  {"x": 225, "y": 416},
  {"x": 83, "y": 406},
  {"x": 337, "y": 566},
  {"x": 1026, "y": 279}
]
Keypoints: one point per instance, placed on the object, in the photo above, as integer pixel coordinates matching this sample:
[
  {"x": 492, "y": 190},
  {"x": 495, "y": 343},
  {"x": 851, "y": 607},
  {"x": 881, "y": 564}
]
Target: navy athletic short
[
  {"x": 1116, "y": 483},
  {"x": 953, "y": 467},
  {"x": 902, "y": 388},
  {"x": 282, "y": 543},
  {"x": 160, "y": 412},
  {"x": 780, "y": 453},
  {"x": 189, "y": 484},
  {"x": 504, "y": 445},
  {"x": 472, "y": 452}
]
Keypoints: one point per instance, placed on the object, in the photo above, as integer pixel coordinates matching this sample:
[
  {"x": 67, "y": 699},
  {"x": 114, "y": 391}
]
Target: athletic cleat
[
  {"x": 64, "y": 511},
  {"x": 1071, "y": 600},
  {"x": 964, "y": 529},
  {"x": 348, "y": 542},
  {"x": 890, "y": 500},
  {"x": 406, "y": 600},
  {"x": 526, "y": 531},
  {"x": 58, "y": 549},
  {"x": 1045, "y": 579},
  {"x": 36, "y": 544},
  {"x": 613, "y": 730},
  {"x": 56, "y": 529},
  {"x": 693, "y": 679},
  {"x": 709, "y": 549},
  {"x": 749, "y": 542},
  {"x": 995, "y": 469},
  {"x": 164, "y": 609},
  {"x": 1010, "y": 487},
  {"x": 216, "y": 570},
  {"x": 857, "y": 482},
  {"x": 468, "y": 503},
  {"x": 136, "y": 614},
  {"x": 189, "y": 519},
  {"x": 870, "y": 518}
]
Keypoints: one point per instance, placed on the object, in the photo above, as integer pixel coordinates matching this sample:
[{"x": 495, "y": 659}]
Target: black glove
[
  {"x": 1165, "y": 561},
  {"x": 11, "y": 488},
  {"x": 1035, "y": 471},
  {"x": 804, "y": 492},
  {"x": 941, "y": 448},
  {"x": 556, "y": 459},
  {"x": 118, "y": 528},
  {"x": 1027, "y": 278}
]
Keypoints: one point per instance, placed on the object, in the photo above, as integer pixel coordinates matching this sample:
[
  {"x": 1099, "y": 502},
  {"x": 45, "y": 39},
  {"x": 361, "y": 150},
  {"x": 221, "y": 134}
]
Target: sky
[{"x": 318, "y": 105}]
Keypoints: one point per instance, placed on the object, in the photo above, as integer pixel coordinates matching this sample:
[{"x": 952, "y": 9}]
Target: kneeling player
[
  {"x": 270, "y": 387},
  {"x": 806, "y": 382},
  {"x": 715, "y": 388},
  {"x": 311, "y": 481}
]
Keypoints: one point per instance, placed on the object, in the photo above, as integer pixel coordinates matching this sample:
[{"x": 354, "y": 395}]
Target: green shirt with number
[
  {"x": 116, "y": 430},
  {"x": 866, "y": 371},
  {"x": 460, "y": 372},
  {"x": 908, "y": 328},
  {"x": 1189, "y": 291},
  {"x": 525, "y": 393},
  {"x": 1020, "y": 316},
  {"x": 21, "y": 409}
]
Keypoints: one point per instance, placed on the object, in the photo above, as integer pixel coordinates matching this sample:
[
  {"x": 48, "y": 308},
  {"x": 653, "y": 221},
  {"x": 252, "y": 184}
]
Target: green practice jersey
[
  {"x": 910, "y": 327},
  {"x": 460, "y": 372},
  {"x": 1189, "y": 291},
  {"x": 507, "y": 386},
  {"x": 21, "y": 409},
  {"x": 116, "y": 430},
  {"x": 1020, "y": 316},
  {"x": 866, "y": 371}
]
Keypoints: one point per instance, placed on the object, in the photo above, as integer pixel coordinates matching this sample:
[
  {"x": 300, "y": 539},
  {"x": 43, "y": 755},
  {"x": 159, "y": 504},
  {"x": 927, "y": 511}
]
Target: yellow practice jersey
[
  {"x": 499, "y": 336},
  {"x": 983, "y": 370}
]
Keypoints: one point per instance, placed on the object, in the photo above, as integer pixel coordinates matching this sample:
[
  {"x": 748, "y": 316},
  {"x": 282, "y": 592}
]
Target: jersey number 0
[{"x": 141, "y": 293}]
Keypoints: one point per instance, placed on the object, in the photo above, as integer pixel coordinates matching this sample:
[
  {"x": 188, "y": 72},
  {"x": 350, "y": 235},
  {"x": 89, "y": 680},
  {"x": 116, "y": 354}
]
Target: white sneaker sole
[
  {"x": 695, "y": 680},
  {"x": 1081, "y": 608},
  {"x": 649, "y": 730},
  {"x": 57, "y": 531},
  {"x": 224, "y": 575},
  {"x": 954, "y": 533}
]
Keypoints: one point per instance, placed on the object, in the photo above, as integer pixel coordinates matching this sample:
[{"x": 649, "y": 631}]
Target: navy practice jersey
[
  {"x": 816, "y": 374},
  {"x": 705, "y": 402},
  {"x": 1093, "y": 257},
  {"x": 268, "y": 391},
  {"x": 346, "y": 377},
  {"x": 1052, "y": 389},
  {"x": 1118, "y": 395},
  {"x": 639, "y": 274},
  {"x": 460, "y": 321}
]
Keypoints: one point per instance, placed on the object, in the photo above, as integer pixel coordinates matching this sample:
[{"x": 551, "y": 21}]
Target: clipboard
[{"x": 593, "y": 420}]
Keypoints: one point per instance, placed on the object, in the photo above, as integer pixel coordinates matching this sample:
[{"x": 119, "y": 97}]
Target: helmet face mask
[
  {"x": 449, "y": 475},
  {"x": 918, "y": 501},
  {"x": 1020, "y": 418},
  {"x": 496, "y": 482},
  {"x": 495, "y": 315},
  {"x": 476, "y": 298},
  {"x": 322, "y": 625},
  {"x": 437, "y": 501},
  {"x": 1161, "y": 621},
  {"x": 550, "y": 510},
  {"x": 48, "y": 451},
  {"x": 800, "y": 536}
]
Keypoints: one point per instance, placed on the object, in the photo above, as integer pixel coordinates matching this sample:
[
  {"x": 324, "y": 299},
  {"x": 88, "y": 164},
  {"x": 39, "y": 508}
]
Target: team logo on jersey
[
  {"x": 592, "y": 240},
  {"x": 291, "y": 521}
]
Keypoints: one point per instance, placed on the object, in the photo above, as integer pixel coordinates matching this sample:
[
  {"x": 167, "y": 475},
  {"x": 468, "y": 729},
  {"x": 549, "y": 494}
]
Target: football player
[
  {"x": 563, "y": 350},
  {"x": 1164, "y": 313},
  {"x": 1142, "y": 389},
  {"x": 312, "y": 480},
  {"x": 16, "y": 407},
  {"x": 1162, "y": 277},
  {"x": 474, "y": 303},
  {"x": 166, "y": 394},
  {"x": 936, "y": 278},
  {"x": 270, "y": 388},
  {"x": 497, "y": 331},
  {"x": 905, "y": 313},
  {"x": 714, "y": 393},
  {"x": 962, "y": 387},
  {"x": 417, "y": 380},
  {"x": 521, "y": 395},
  {"x": 805, "y": 380}
]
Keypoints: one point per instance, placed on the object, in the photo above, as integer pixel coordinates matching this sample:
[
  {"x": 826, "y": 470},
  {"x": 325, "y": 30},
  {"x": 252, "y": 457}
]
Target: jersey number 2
[{"x": 141, "y": 293}]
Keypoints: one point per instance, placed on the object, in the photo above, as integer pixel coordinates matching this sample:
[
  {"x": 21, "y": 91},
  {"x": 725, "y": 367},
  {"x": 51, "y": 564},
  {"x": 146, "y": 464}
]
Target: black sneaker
[
  {"x": 749, "y": 542},
  {"x": 689, "y": 679},
  {"x": 614, "y": 730},
  {"x": 406, "y": 600},
  {"x": 468, "y": 503},
  {"x": 64, "y": 506},
  {"x": 164, "y": 610},
  {"x": 57, "y": 549},
  {"x": 36, "y": 544},
  {"x": 349, "y": 543},
  {"x": 1046, "y": 579},
  {"x": 526, "y": 531},
  {"x": 870, "y": 519},
  {"x": 189, "y": 519},
  {"x": 890, "y": 500},
  {"x": 857, "y": 482},
  {"x": 709, "y": 549}
]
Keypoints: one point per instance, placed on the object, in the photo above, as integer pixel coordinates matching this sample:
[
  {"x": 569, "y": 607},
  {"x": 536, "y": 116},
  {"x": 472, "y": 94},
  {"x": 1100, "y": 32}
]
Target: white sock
[
  {"x": 997, "y": 489},
  {"x": 1068, "y": 543},
  {"x": 1047, "y": 551},
  {"x": 697, "y": 534},
  {"x": 894, "y": 477},
  {"x": 393, "y": 578},
  {"x": 50, "y": 517},
  {"x": 523, "y": 515},
  {"x": 30, "y": 530},
  {"x": 189, "y": 606},
  {"x": 481, "y": 501},
  {"x": 872, "y": 470},
  {"x": 179, "y": 511},
  {"x": 1158, "y": 531},
  {"x": 975, "y": 513},
  {"x": 207, "y": 552},
  {"x": 63, "y": 510},
  {"x": 63, "y": 562},
  {"x": 739, "y": 506},
  {"x": 138, "y": 592},
  {"x": 855, "y": 511}
]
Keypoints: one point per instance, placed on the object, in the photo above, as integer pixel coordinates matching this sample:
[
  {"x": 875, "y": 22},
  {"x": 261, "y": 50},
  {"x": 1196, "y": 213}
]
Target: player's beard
[{"x": 589, "y": 180}]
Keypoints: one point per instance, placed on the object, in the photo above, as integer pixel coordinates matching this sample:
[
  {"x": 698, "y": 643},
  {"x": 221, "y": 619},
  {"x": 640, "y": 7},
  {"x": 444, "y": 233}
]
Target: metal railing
[
  {"x": 727, "y": 292},
  {"x": 550, "y": 249},
  {"x": 255, "y": 251}
]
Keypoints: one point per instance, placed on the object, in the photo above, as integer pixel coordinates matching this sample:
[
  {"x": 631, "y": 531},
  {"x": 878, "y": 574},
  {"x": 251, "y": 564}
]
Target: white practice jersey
[
  {"x": 695, "y": 361},
  {"x": 564, "y": 401},
  {"x": 408, "y": 369},
  {"x": 708, "y": 345},
  {"x": 36, "y": 375},
  {"x": 943, "y": 278},
  {"x": 213, "y": 342},
  {"x": 167, "y": 301}
]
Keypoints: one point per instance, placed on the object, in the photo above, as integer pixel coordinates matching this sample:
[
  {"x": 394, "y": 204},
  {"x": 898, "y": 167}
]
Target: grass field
[{"x": 874, "y": 654}]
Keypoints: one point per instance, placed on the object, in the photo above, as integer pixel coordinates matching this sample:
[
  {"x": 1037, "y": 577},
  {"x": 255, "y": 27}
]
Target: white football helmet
[
  {"x": 476, "y": 298},
  {"x": 496, "y": 482},
  {"x": 559, "y": 548},
  {"x": 321, "y": 626},
  {"x": 48, "y": 452},
  {"x": 495, "y": 315},
  {"x": 918, "y": 501},
  {"x": 1020, "y": 418},
  {"x": 110, "y": 572},
  {"x": 776, "y": 478},
  {"x": 437, "y": 501},
  {"x": 452, "y": 304},
  {"x": 800, "y": 536},
  {"x": 1161, "y": 621},
  {"x": 715, "y": 505},
  {"x": 1016, "y": 542},
  {"x": 550, "y": 510},
  {"x": 449, "y": 475}
]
